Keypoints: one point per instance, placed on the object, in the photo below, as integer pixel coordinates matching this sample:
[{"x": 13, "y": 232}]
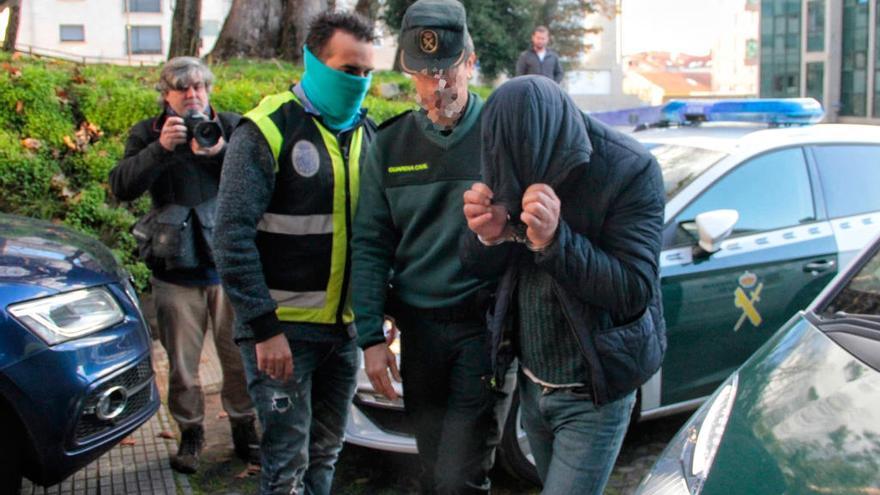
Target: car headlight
[
  {"x": 684, "y": 465},
  {"x": 67, "y": 316}
]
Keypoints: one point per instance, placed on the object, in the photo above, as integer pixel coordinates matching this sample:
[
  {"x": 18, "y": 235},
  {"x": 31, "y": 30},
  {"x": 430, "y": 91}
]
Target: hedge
[{"x": 63, "y": 127}]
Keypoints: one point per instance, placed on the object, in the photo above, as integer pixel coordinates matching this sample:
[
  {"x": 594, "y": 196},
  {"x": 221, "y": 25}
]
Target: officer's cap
[{"x": 433, "y": 36}]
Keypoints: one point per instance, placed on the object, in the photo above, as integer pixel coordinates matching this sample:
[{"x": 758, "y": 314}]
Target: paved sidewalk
[{"x": 139, "y": 464}]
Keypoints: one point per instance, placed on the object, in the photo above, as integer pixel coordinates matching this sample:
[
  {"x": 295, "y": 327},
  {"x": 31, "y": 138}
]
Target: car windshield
[
  {"x": 682, "y": 164},
  {"x": 861, "y": 297}
]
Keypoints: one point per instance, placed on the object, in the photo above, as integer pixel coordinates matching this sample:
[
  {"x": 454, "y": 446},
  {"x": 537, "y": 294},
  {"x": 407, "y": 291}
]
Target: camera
[{"x": 205, "y": 131}]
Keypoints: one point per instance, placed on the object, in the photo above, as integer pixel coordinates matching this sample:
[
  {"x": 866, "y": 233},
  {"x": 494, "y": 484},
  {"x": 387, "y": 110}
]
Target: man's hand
[
  {"x": 173, "y": 133},
  {"x": 378, "y": 359},
  {"x": 213, "y": 150},
  {"x": 485, "y": 219},
  {"x": 274, "y": 358},
  {"x": 540, "y": 214}
]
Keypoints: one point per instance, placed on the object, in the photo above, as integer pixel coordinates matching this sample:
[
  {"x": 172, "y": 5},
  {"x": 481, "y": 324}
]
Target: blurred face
[
  {"x": 443, "y": 95},
  {"x": 540, "y": 40},
  {"x": 348, "y": 54},
  {"x": 192, "y": 97}
]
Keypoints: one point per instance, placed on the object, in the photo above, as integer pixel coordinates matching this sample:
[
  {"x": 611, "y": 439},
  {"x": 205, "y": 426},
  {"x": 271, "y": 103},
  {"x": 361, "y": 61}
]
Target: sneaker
[
  {"x": 192, "y": 440},
  {"x": 246, "y": 441}
]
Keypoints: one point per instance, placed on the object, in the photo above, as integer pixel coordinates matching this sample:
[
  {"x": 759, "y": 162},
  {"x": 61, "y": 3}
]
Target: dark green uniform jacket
[{"x": 410, "y": 218}]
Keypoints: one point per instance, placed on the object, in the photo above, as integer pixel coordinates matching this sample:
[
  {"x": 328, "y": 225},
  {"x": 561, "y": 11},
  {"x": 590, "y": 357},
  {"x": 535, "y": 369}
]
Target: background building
[
  {"x": 115, "y": 31},
  {"x": 825, "y": 49}
]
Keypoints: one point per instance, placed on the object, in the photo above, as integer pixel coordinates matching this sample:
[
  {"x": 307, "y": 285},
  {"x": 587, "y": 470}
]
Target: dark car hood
[
  {"x": 37, "y": 253},
  {"x": 806, "y": 420}
]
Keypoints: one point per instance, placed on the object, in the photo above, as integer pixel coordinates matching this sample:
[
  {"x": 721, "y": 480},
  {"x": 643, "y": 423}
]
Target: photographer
[{"x": 177, "y": 157}]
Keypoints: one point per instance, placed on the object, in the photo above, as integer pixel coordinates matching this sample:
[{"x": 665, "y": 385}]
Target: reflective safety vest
[{"x": 303, "y": 236}]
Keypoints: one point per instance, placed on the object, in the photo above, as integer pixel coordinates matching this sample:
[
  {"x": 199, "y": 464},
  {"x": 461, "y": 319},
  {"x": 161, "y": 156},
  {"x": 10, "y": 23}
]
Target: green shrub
[
  {"x": 114, "y": 102},
  {"x": 34, "y": 102},
  {"x": 26, "y": 179}
]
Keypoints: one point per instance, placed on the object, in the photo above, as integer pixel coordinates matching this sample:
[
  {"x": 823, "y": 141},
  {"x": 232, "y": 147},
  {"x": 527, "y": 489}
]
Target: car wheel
[
  {"x": 515, "y": 455},
  {"x": 10, "y": 457}
]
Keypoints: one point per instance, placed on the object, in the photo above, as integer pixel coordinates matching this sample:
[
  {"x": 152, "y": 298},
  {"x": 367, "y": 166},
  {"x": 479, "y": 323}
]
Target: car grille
[
  {"x": 136, "y": 380},
  {"x": 389, "y": 420}
]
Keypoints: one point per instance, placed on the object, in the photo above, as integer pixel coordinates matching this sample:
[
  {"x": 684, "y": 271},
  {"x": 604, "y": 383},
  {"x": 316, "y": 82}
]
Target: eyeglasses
[{"x": 197, "y": 86}]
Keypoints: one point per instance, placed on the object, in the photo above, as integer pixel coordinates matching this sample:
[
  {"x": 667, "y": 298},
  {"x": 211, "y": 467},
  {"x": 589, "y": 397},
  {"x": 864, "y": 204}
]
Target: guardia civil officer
[{"x": 406, "y": 264}]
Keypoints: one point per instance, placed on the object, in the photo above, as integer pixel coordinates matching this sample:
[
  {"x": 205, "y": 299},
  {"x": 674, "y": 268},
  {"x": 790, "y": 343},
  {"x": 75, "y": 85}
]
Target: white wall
[{"x": 104, "y": 23}]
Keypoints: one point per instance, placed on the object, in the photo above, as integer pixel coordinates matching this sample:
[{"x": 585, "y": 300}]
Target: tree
[
  {"x": 491, "y": 23},
  {"x": 12, "y": 25},
  {"x": 185, "y": 27},
  {"x": 266, "y": 28}
]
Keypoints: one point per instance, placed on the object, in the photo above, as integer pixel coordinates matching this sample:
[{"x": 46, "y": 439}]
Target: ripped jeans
[{"x": 303, "y": 419}]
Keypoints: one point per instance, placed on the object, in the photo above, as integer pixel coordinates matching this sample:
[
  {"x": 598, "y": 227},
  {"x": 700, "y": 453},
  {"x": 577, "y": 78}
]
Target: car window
[
  {"x": 771, "y": 191},
  {"x": 682, "y": 164},
  {"x": 850, "y": 176},
  {"x": 861, "y": 296}
]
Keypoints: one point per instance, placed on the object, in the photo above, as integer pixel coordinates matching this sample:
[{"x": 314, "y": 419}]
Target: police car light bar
[{"x": 773, "y": 111}]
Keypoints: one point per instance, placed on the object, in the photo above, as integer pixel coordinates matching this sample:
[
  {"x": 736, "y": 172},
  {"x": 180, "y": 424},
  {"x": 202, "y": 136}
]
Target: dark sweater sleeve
[
  {"x": 144, "y": 161},
  {"x": 620, "y": 275},
  {"x": 246, "y": 187},
  {"x": 373, "y": 245},
  {"x": 485, "y": 262}
]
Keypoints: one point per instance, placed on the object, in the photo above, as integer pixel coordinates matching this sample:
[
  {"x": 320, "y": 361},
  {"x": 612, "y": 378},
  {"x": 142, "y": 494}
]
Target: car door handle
[{"x": 820, "y": 266}]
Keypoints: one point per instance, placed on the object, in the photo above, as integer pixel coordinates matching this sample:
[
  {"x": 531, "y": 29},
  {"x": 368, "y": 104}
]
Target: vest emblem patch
[{"x": 305, "y": 159}]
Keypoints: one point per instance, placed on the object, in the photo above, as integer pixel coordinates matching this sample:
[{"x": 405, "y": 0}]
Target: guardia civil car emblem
[
  {"x": 305, "y": 158},
  {"x": 748, "y": 282}
]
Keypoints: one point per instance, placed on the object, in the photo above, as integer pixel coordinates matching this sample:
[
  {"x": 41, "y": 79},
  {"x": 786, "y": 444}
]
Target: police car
[{"x": 764, "y": 207}]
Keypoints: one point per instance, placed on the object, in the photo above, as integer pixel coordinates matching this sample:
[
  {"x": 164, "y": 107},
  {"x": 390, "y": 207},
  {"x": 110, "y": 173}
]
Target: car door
[
  {"x": 850, "y": 178},
  {"x": 720, "y": 308}
]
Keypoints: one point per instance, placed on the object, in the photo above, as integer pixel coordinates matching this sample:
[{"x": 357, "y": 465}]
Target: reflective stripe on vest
[{"x": 314, "y": 306}]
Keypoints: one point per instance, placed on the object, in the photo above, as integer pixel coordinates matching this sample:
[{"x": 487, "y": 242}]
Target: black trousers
[{"x": 458, "y": 417}]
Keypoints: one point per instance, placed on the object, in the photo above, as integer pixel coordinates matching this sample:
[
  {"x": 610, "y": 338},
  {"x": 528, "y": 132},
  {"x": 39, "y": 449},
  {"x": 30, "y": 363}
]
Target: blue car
[{"x": 75, "y": 369}]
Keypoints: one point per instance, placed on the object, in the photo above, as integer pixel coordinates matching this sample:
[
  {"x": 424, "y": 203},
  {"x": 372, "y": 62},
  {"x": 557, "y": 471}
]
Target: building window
[
  {"x": 780, "y": 48},
  {"x": 71, "y": 32},
  {"x": 816, "y": 80},
  {"x": 854, "y": 67},
  {"x": 816, "y": 25},
  {"x": 143, "y": 5},
  {"x": 145, "y": 40}
]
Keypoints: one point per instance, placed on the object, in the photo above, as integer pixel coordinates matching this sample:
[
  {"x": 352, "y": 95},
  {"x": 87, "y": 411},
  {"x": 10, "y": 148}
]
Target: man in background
[{"x": 539, "y": 59}]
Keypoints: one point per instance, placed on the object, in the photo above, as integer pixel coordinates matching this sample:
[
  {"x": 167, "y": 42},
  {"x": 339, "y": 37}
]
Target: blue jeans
[
  {"x": 303, "y": 419},
  {"x": 574, "y": 442}
]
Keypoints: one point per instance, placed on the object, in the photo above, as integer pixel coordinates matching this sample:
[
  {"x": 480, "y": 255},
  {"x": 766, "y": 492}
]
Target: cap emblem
[{"x": 428, "y": 41}]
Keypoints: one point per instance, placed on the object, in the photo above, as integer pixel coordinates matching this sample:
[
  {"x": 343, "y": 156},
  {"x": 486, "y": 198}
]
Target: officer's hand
[
  {"x": 540, "y": 214},
  {"x": 378, "y": 359},
  {"x": 213, "y": 150},
  {"x": 274, "y": 358},
  {"x": 485, "y": 219},
  {"x": 173, "y": 133}
]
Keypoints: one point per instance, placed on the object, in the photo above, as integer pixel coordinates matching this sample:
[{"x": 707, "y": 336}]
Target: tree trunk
[
  {"x": 185, "y": 29},
  {"x": 12, "y": 26},
  {"x": 252, "y": 29},
  {"x": 298, "y": 14}
]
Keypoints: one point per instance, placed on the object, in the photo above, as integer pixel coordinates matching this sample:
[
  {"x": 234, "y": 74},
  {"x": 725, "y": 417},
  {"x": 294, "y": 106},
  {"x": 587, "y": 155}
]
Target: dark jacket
[
  {"x": 176, "y": 177},
  {"x": 529, "y": 63},
  {"x": 604, "y": 260}
]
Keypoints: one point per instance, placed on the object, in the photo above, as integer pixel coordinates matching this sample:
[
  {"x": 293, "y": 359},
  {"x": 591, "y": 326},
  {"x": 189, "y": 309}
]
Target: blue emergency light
[{"x": 773, "y": 111}]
